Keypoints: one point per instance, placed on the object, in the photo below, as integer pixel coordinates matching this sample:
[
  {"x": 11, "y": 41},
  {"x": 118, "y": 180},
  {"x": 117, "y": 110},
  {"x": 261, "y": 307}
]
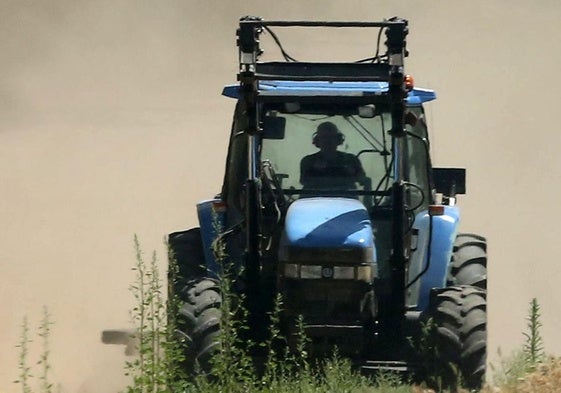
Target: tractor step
[{"x": 371, "y": 366}]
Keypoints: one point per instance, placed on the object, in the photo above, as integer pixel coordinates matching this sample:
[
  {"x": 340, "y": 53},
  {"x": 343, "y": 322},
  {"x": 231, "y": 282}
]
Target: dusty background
[{"x": 112, "y": 123}]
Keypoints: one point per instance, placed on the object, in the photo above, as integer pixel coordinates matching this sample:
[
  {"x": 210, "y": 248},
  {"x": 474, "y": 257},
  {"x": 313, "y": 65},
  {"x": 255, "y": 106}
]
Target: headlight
[
  {"x": 291, "y": 270},
  {"x": 310, "y": 272},
  {"x": 364, "y": 273},
  {"x": 344, "y": 272}
]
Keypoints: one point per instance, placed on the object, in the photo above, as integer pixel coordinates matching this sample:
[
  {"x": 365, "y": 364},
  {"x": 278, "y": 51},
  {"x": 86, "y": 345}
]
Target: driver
[{"x": 330, "y": 168}]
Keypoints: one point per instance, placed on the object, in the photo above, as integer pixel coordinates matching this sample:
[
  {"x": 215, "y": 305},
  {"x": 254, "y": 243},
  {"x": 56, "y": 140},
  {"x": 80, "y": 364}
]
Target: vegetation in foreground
[
  {"x": 38, "y": 374},
  {"x": 157, "y": 368}
]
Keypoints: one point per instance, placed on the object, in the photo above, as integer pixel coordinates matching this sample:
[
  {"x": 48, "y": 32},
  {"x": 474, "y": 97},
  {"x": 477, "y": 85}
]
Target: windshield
[
  {"x": 323, "y": 152},
  {"x": 338, "y": 151}
]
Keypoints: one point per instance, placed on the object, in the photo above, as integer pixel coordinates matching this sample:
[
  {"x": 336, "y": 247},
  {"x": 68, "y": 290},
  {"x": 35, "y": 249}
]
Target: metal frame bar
[
  {"x": 301, "y": 23},
  {"x": 308, "y": 71},
  {"x": 251, "y": 70}
]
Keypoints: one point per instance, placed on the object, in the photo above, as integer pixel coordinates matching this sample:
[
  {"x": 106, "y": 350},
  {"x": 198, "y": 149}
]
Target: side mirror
[
  {"x": 449, "y": 181},
  {"x": 273, "y": 127},
  {"x": 367, "y": 111},
  {"x": 411, "y": 119},
  {"x": 292, "y": 107}
]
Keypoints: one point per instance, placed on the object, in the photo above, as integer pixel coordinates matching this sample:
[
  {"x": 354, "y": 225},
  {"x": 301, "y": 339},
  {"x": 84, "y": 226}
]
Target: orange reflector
[
  {"x": 219, "y": 206},
  {"x": 436, "y": 210},
  {"x": 409, "y": 82}
]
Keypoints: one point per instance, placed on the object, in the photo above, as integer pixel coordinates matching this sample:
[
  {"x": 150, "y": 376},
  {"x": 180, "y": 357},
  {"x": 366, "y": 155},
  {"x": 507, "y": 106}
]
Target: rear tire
[
  {"x": 459, "y": 317},
  {"x": 198, "y": 323},
  {"x": 469, "y": 261}
]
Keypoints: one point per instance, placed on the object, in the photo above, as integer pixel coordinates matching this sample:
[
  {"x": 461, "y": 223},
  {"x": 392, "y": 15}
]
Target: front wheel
[
  {"x": 459, "y": 317},
  {"x": 198, "y": 323}
]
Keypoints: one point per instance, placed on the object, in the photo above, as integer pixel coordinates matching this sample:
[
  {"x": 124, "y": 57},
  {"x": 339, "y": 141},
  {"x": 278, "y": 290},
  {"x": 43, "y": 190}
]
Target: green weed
[
  {"x": 157, "y": 367},
  {"x": 512, "y": 369},
  {"x": 533, "y": 347},
  {"x": 44, "y": 364},
  {"x": 44, "y": 333},
  {"x": 23, "y": 361}
]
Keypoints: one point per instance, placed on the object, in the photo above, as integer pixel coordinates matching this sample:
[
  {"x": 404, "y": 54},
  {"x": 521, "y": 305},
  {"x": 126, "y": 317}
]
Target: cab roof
[{"x": 416, "y": 96}]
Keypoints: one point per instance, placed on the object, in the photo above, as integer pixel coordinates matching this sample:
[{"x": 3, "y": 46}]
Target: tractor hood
[{"x": 328, "y": 223}]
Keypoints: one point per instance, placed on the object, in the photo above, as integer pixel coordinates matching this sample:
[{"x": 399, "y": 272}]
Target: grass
[
  {"x": 529, "y": 369},
  {"x": 157, "y": 368}
]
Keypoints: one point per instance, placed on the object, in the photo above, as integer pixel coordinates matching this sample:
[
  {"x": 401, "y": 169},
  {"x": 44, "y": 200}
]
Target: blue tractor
[{"x": 330, "y": 200}]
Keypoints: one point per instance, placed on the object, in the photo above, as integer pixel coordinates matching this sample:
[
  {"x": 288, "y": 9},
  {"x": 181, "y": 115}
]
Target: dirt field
[{"x": 112, "y": 123}]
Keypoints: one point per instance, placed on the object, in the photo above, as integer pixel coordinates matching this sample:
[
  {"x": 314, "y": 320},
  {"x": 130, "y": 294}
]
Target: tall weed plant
[
  {"x": 156, "y": 369},
  {"x": 514, "y": 369},
  {"x": 533, "y": 346},
  {"x": 41, "y": 369}
]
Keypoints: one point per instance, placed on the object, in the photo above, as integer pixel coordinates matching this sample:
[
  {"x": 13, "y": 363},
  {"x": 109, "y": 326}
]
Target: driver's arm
[
  {"x": 360, "y": 176},
  {"x": 305, "y": 166}
]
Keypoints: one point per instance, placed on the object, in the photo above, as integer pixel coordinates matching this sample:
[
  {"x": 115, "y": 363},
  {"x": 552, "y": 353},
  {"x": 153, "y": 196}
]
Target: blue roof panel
[{"x": 416, "y": 96}]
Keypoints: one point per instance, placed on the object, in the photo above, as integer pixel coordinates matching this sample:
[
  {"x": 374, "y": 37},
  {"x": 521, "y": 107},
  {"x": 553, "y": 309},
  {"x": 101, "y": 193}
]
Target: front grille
[
  {"x": 324, "y": 300},
  {"x": 307, "y": 271},
  {"x": 336, "y": 255}
]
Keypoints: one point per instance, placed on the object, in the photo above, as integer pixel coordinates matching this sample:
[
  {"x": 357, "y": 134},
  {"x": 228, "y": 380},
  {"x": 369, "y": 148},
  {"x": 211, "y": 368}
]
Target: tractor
[{"x": 330, "y": 200}]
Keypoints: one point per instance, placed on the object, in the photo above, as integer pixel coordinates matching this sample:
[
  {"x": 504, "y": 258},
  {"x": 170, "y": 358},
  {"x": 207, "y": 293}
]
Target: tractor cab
[
  {"x": 329, "y": 141},
  {"x": 295, "y": 138}
]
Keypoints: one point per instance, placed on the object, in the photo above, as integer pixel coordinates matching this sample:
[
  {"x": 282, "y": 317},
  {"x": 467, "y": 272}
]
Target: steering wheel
[{"x": 272, "y": 181}]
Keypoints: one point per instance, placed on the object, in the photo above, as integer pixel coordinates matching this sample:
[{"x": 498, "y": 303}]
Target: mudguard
[
  {"x": 187, "y": 249},
  {"x": 212, "y": 215},
  {"x": 444, "y": 230}
]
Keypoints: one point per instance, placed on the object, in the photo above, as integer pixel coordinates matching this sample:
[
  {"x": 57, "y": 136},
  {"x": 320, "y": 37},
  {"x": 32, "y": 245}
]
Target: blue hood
[{"x": 328, "y": 223}]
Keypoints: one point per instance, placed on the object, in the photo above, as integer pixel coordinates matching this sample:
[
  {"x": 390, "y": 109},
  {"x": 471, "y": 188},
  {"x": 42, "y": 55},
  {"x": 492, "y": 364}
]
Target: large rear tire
[
  {"x": 459, "y": 317},
  {"x": 469, "y": 261},
  {"x": 198, "y": 323}
]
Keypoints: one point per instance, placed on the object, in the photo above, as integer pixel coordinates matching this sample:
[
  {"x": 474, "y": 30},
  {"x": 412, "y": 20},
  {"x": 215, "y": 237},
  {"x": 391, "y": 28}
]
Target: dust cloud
[{"x": 112, "y": 124}]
